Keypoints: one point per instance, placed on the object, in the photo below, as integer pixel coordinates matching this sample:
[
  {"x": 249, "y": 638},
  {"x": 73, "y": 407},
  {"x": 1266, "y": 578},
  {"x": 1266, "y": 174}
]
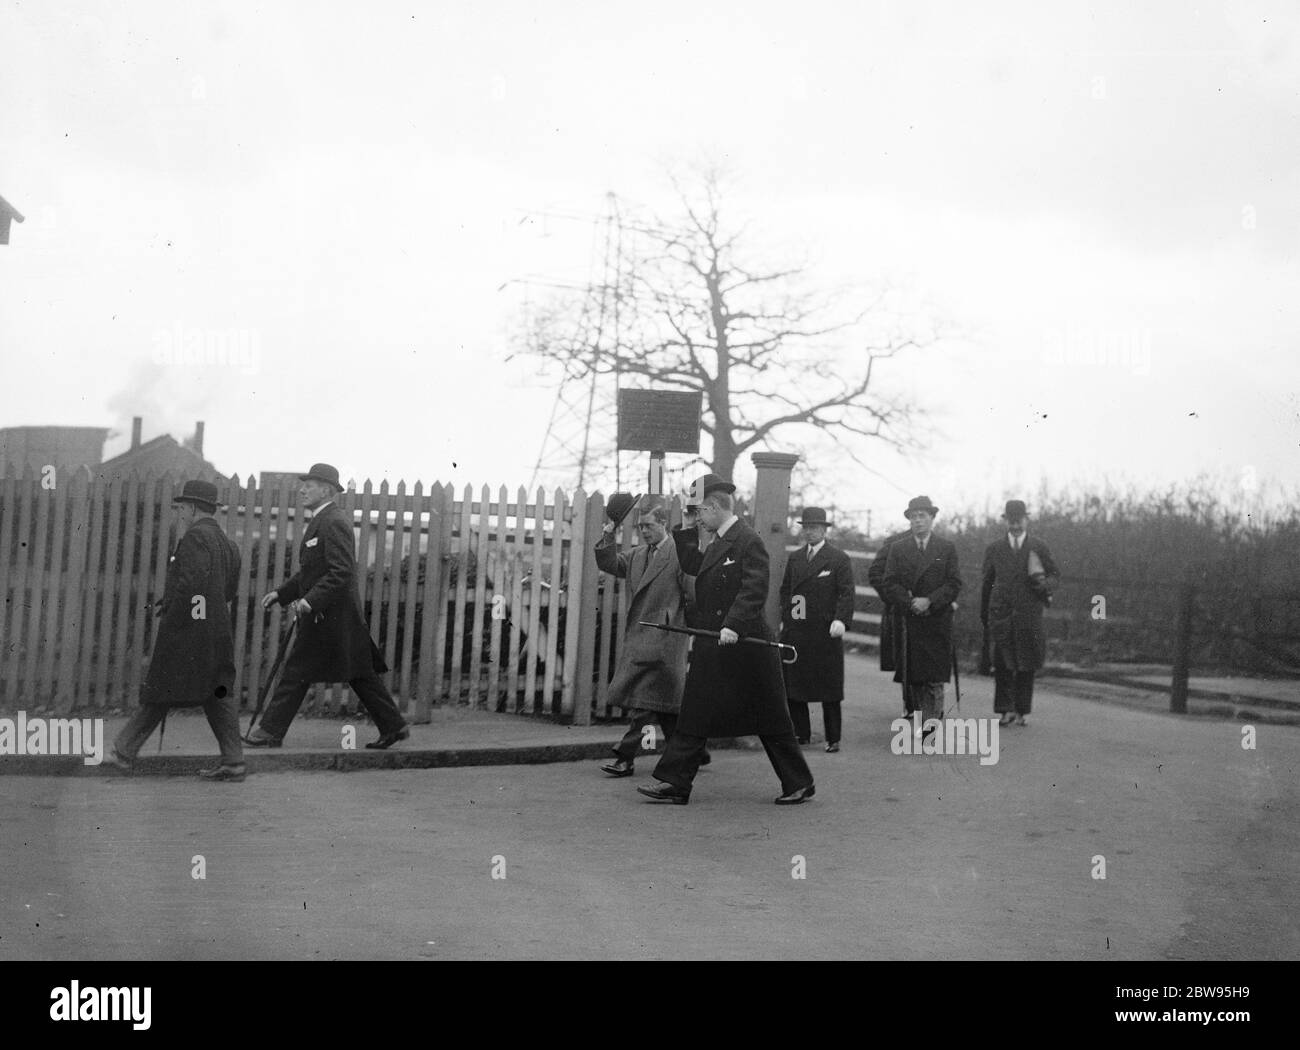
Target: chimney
[
  {"x": 136, "y": 423},
  {"x": 198, "y": 437}
]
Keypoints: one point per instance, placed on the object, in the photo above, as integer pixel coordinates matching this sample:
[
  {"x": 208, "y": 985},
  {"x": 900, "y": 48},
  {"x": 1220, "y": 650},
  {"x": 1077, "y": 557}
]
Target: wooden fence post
[{"x": 1182, "y": 647}]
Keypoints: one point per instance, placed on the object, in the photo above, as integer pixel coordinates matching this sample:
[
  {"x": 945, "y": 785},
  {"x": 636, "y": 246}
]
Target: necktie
[{"x": 810, "y": 554}]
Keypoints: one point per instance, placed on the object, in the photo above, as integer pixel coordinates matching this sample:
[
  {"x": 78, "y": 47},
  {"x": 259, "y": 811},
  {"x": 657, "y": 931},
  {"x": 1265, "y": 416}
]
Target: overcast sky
[{"x": 349, "y": 186}]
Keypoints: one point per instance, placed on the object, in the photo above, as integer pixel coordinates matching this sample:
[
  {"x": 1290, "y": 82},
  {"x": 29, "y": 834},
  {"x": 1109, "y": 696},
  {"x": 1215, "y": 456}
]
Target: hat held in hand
[{"x": 619, "y": 505}]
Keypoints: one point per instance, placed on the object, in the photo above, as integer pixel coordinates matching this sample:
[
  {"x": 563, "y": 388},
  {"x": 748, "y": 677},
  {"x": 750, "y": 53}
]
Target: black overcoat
[
  {"x": 933, "y": 575},
  {"x": 731, "y": 690},
  {"x": 822, "y": 591},
  {"x": 194, "y": 650},
  {"x": 891, "y": 631},
  {"x": 1012, "y": 605},
  {"x": 333, "y": 642}
]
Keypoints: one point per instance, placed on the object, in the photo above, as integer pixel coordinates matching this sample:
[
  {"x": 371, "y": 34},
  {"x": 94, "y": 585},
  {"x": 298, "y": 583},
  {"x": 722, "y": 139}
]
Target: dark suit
[
  {"x": 193, "y": 659},
  {"x": 1011, "y": 606},
  {"x": 891, "y": 616},
  {"x": 911, "y": 573},
  {"x": 814, "y": 593},
  {"x": 732, "y": 690},
  {"x": 333, "y": 643}
]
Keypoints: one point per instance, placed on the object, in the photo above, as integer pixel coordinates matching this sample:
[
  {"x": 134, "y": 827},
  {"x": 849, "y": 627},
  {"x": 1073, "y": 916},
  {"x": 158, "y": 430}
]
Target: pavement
[{"x": 897, "y": 857}]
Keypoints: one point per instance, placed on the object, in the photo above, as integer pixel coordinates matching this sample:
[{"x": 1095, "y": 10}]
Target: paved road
[{"x": 908, "y": 857}]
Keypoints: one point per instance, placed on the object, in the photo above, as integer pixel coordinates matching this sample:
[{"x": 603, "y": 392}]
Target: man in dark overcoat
[
  {"x": 891, "y": 616},
  {"x": 921, "y": 576},
  {"x": 651, "y": 669},
  {"x": 817, "y": 592},
  {"x": 732, "y": 689},
  {"x": 333, "y": 643},
  {"x": 1019, "y": 578},
  {"x": 193, "y": 661}
]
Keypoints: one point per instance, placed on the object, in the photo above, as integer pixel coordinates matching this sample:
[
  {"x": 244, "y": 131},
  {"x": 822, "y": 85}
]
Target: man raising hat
[
  {"x": 921, "y": 576},
  {"x": 816, "y": 606},
  {"x": 1019, "y": 577},
  {"x": 193, "y": 660},
  {"x": 333, "y": 642},
  {"x": 732, "y": 689}
]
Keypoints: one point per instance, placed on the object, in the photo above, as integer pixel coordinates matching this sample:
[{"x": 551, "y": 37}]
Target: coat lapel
[
  {"x": 649, "y": 573},
  {"x": 805, "y": 569},
  {"x": 720, "y": 545}
]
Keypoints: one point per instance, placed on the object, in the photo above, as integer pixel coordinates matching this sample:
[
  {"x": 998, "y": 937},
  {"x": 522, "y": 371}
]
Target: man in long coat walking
[
  {"x": 891, "y": 616},
  {"x": 817, "y": 593},
  {"x": 921, "y": 576},
  {"x": 651, "y": 669},
  {"x": 732, "y": 689},
  {"x": 333, "y": 643},
  {"x": 193, "y": 660},
  {"x": 1019, "y": 577}
]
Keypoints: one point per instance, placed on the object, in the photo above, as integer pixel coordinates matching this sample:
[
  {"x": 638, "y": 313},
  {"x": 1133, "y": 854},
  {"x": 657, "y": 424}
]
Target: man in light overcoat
[{"x": 650, "y": 672}]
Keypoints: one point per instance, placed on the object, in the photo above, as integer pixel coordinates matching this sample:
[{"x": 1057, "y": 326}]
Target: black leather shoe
[
  {"x": 662, "y": 792},
  {"x": 620, "y": 767},
  {"x": 234, "y": 774},
  {"x": 803, "y": 741},
  {"x": 796, "y": 796},
  {"x": 706, "y": 759},
  {"x": 832, "y": 747},
  {"x": 259, "y": 737},
  {"x": 389, "y": 739}
]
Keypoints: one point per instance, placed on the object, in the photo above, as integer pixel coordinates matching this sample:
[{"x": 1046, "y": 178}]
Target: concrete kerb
[{"x": 1147, "y": 696}]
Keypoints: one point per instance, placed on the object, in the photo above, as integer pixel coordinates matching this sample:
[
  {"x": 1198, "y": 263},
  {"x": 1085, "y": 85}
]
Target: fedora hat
[
  {"x": 920, "y": 503},
  {"x": 200, "y": 492},
  {"x": 620, "y": 503},
  {"x": 1015, "y": 509},
  {"x": 323, "y": 472},
  {"x": 813, "y": 516},
  {"x": 701, "y": 488}
]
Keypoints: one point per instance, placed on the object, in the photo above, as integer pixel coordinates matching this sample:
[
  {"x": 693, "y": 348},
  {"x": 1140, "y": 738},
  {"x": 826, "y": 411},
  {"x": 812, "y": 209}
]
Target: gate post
[{"x": 771, "y": 513}]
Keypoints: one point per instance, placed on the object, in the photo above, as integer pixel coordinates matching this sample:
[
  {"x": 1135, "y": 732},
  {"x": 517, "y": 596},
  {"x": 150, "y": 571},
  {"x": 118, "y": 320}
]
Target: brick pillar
[{"x": 771, "y": 512}]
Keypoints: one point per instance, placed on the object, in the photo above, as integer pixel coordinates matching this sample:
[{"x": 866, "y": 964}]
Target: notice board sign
[{"x": 659, "y": 420}]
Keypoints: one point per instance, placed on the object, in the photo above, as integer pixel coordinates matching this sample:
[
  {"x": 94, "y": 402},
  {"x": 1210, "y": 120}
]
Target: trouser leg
[
  {"x": 831, "y": 720},
  {"x": 928, "y": 699},
  {"x": 285, "y": 701},
  {"x": 1024, "y": 692},
  {"x": 681, "y": 760},
  {"x": 378, "y": 702},
  {"x": 1004, "y": 700},
  {"x": 223, "y": 717},
  {"x": 627, "y": 748},
  {"x": 137, "y": 729},
  {"x": 787, "y": 760},
  {"x": 800, "y": 719}
]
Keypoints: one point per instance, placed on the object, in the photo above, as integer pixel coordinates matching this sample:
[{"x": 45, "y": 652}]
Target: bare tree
[{"x": 688, "y": 312}]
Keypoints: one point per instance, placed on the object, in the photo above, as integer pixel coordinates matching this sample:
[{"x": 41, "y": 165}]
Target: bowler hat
[
  {"x": 813, "y": 516},
  {"x": 322, "y": 472},
  {"x": 619, "y": 505},
  {"x": 1015, "y": 509},
  {"x": 701, "y": 487},
  {"x": 920, "y": 503},
  {"x": 200, "y": 492}
]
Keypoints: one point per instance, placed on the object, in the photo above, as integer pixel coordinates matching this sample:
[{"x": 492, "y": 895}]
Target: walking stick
[
  {"x": 699, "y": 632},
  {"x": 907, "y": 683},
  {"x": 265, "y": 691},
  {"x": 956, "y": 678}
]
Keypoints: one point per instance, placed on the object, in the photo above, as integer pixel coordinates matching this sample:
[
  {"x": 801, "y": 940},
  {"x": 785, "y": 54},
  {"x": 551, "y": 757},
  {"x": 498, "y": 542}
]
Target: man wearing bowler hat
[
  {"x": 333, "y": 643},
  {"x": 891, "y": 617},
  {"x": 816, "y": 607},
  {"x": 1019, "y": 577},
  {"x": 193, "y": 660},
  {"x": 921, "y": 577},
  {"x": 732, "y": 688}
]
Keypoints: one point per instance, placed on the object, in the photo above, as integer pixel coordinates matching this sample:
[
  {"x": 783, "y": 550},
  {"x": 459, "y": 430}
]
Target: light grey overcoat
[{"x": 650, "y": 671}]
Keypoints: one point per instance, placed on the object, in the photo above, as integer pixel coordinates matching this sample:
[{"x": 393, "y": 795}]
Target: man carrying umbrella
[
  {"x": 816, "y": 606},
  {"x": 193, "y": 660},
  {"x": 334, "y": 644},
  {"x": 921, "y": 576},
  {"x": 731, "y": 689}
]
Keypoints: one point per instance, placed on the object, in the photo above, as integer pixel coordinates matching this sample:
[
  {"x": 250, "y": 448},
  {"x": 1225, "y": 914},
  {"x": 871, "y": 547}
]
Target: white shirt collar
[
  {"x": 1022, "y": 537},
  {"x": 731, "y": 519},
  {"x": 321, "y": 507},
  {"x": 814, "y": 551}
]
